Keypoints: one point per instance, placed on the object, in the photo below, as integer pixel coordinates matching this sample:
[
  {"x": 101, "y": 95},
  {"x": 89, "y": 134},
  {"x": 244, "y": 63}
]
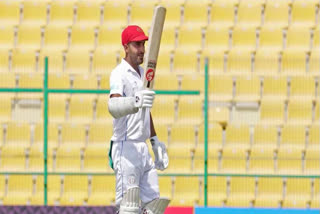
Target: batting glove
[
  {"x": 160, "y": 153},
  {"x": 144, "y": 98}
]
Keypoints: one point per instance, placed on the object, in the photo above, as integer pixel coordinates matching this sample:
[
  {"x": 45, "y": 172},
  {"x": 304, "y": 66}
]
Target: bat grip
[{"x": 141, "y": 125}]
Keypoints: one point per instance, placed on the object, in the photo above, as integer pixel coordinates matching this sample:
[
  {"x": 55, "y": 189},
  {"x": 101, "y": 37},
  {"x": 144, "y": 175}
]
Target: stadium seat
[
  {"x": 265, "y": 138},
  {"x": 300, "y": 112},
  {"x": 73, "y": 135},
  {"x": 219, "y": 115},
  {"x": 104, "y": 61},
  {"x": 195, "y": 13},
  {"x": 82, "y": 37},
  {"x": 2, "y": 186},
  {"x": 55, "y": 62},
  {"x": 190, "y": 38},
  {"x": 58, "y": 81},
  {"x": 167, "y": 81},
  {"x": 102, "y": 113},
  {"x": 109, "y": 39},
  {"x": 276, "y": 13},
  {"x": 103, "y": 190},
  {"x": 185, "y": 61},
  {"x": 247, "y": 89},
  {"x": 312, "y": 161},
  {"x": 77, "y": 62},
  {"x": 314, "y": 63},
  {"x": 10, "y": 12},
  {"x": 19, "y": 190},
  {"x": 85, "y": 81},
  {"x": 34, "y": 13},
  {"x": 57, "y": 108},
  {"x": 30, "y": 80},
  {"x": 192, "y": 82},
  {"x": 244, "y": 38},
  {"x": 272, "y": 112},
  {"x": 293, "y": 137},
  {"x": 18, "y": 134},
  {"x": 315, "y": 202},
  {"x": 237, "y": 137},
  {"x": 163, "y": 110},
  {"x": 182, "y": 139},
  {"x": 4, "y": 63},
  {"x": 217, "y": 191},
  {"x": 261, "y": 160},
  {"x": 173, "y": 14},
  {"x": 37, "y": 197},
  {"x": 100, "y": 134},
  {"x": 55, "y": 38},
  {"x": 96, "y": 159},
  {"x": 266, "y": 63},
  {"x": 186, "y": 191},
  {"x": 141, "y": 13},
  {"x": 269, "y": 193},
  {"x": 68, "y": 159},
  {"x": 233, "y": 160},
  {"x": 303, "y": 88},
  {"x": 13, "y": 158},
  {"x": 220, "y": 88},
  {"x": 165, "y": 186},
  {"x": 316, "y": 39},
  {"x": 289, "y": 161},
  {"x": 275, "y": 88},
  {"x": 23, "y": 60},
  {"x": 75, "y": 190},
  {"x": 61, "y": 13},
  {"x": 217, "y": 38},
  {"x": 249, "y": 13},
  {"x": 293, "y": 63},
  {"x": 115, "y": 13},
  {"x": 81, "y": 108},
  {"x": 242, "y": 191},
  {"x": 54, "y": 190},
  {"x": 168, "y": 41},
  {"x": 304, "y": 13},
  {"x": 298, "y": 39},
  {"x": 223, "y": 13},
  {"x": 216, "y": 62},
  {"x": 198, "y": 160},
  {"x": 317, "y": 112},
  {"x": 271, "y": 39},
  {"x": 36, "y": 157},
  {"x": 298, "y": 193},
  {"x": 190, "y": 110},
  {"x": 239, "y": 63},
  {"x": 214, "y": 137},
  {"x": 53, "y": 137},
  {"x": 314, "y": 139},
  {"x": 5, "y": 110},
  {"x": 179, "y": 164},
  {"x": 6, "y": 39},
  {"x": 88, "y": 12}
]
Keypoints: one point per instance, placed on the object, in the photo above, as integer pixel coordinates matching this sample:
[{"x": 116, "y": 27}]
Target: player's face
[{"x": 135, "y": 52}]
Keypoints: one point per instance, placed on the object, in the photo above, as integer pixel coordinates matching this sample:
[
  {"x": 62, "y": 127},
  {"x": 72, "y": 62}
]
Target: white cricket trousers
[{"x": 133, "y": 166}]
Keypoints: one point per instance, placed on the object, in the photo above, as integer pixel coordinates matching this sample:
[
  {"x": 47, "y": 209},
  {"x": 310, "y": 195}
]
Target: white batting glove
[
  {"x": 144, "y": 98},
  {"x": 160, "y": 153}
]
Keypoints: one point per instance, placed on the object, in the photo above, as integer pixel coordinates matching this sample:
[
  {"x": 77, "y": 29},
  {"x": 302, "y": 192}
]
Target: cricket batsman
[{"x": 137, "y": 189}]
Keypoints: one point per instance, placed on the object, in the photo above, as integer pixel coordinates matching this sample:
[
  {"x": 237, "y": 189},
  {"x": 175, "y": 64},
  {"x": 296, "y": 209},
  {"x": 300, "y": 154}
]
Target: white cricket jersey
[{"x": 124, "y": 80}]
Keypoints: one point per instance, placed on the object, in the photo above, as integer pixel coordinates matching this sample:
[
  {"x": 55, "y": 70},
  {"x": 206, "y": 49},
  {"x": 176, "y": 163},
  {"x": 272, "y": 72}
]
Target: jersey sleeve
[{"x": 116, "y": 84}]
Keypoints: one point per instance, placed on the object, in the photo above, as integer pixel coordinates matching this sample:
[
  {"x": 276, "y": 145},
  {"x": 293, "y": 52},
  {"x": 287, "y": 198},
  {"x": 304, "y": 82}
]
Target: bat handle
[{"x": 141, "y": 125}]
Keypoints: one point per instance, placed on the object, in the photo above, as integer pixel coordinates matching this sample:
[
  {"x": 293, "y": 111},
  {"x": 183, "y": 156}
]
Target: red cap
[{"x": 132, "y": 33}]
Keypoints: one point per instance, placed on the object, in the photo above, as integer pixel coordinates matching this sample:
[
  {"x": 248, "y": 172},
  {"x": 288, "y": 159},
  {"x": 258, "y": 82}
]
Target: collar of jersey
[{"x": 128, "y": 67}]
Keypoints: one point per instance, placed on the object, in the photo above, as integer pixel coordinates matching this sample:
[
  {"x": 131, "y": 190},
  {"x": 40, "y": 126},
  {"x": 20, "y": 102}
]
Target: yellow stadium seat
[
  {"x": 10, "y": 12},
  {"x": 55, "y": 61},
  {"x": 266, "y": 63},
  {"x": 261, "y": 160},
  {"x": 216, "y": 62},
  {"x": 96, "y": 159},
  {"x": 190, "y": 38},
  {"x": 233, "y": 160},
  {"x": 265, "y": 138},
  {"x": 196, "y": 13},
  {"x": 289, "y": 161},
  {"x": 73, "y": 135},
  {"x": 23, "y": 61},
  {"x": 247, "y": 89},
  {"x": 6, "y": 37},
  {"x": 165, "y": 186},
  {"x": 217, "y": 191},
  {"x": 249, "y": 13},
  {"x": 300, "y": 112},
  {"x": 53, "y": 138},
  {"x": 275, "y": 88},
  {"x": 109, "y": 38},
  {"x": 102, "y": 113},
  {"x": 55, "y": 38},
  {"x": 88, "y": 12},
  {"x": 192, "y": 82},
  {"x": 214, "y": 137},
  {"x": 100, "y": 134},
  {"x": 315, "y": 202},
  {"x": 166, "y": 82},
  {"x": 244, "y": 38},
  {"x": 61, "y": 13},
  {"x": 293, "y": 63},
  {"x": 271, "y": 38},
  {"x": 53, "y": 183},
  {"x": 182, "y": 139},
  {"x": 13, "y": 158},
  {"x": 19, "y": 190},
  {"x": 82, "y": 37},
  {"x": 163, "y": 110},
  {"x": 77, "y": 62},
  {"x": 219, "y": 115},
  {"x": 314, "y": 138},
  {"x": 298, "y": 193},
  {"x": 178, "y": 164},
  {"x": 58, "y": 80},
  {"x": 115, "y": 13},
  {"x": 269, "y": 193},
  {"x": 173, "y": 14},
  {"x": 5, "y": 110},
  {"x": 190, "y": 109},
  {"x": 242, "y": 192},
  {"x": 186, "y": 191},
  {"x": 35, "y": 12},
  {"x": 272, "y": 112},
  {"x": 168, "y": 42},
  {"x": 37, "y": 197},
  {"x": 104, "y": 81},
  {"x": 223, "y": 13},
  {"x": 302, "y": 88},
  {"x": 237, "y": 136},
  {"x": 103, "y": 190},
  {"x": 141, "y": 13},
  {"x": 314, "y": 63},
  {"x": 185, "y": 61},
  {"x": 81, "y": 108},
  {"x": 4, "y": 61},
  {"x": 2, "y": 186},
  {"x": 75, "y": 190},
  {"x": 18, "y": 134},
  {"x": 57, "y": 108},
  {"x": 304, "y": 13},
  {"x": 217, "y": 38},
  {"x": 239, "y": 62},
  {"x": 198, "y": 160},
  {"x": 277, "y": 13},
  {"x": 104, "y": 61},
  {"x": 298, "y": 38},
  {"x": 312, "y": 161},
  {"x": 36, "y": 157},
  {"x": 30, "y": 80},
  {"x": 316, "y": 39},
  {"x": 68, "y": 159},
  {"x": 317, "y": 113},
  {"x": 85, "y": 81},
  {"x": 220, "y": 88},
  {"x": 293, "y": 137}
]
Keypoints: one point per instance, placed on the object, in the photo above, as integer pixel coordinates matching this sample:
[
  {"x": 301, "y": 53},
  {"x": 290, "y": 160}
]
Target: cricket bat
[{"x": 152, "y": 53}]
